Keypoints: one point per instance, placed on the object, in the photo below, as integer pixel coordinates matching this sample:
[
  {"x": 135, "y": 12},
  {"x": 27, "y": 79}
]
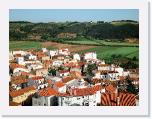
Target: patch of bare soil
[{"x": 72, "y": 48}]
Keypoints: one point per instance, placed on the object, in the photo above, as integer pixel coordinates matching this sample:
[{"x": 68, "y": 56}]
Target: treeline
[{"x": 20, "y": 30}]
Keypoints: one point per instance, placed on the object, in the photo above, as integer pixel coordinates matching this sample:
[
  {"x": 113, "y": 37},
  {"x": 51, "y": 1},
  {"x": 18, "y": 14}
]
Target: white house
[
  {"x": 35, "y": 66},
  {"x": 111, "y": 75},
  {"x": 53, "y": 53},
  {"x": 57, "y": 63},
  {"x": 20, "y": 60},
  {"x": 19, "y": 52},
  {"x": 62, "y": 73},
  {"x": 17, "y": 68},
  {"x": 104, "y": 67},
  {"x": 31, "y": 57},
  {"x": 45, "y": 97},
  {"x": 38, "y": 81},
  {"x": 118, "y": 69},
  {"x": 44, "y": 50},
  {"x": 76, "y": 56},
  {"x": 64, "y": 51},
  {"x": 90, "y": 56},
  {"x": 89, "y": 96}
]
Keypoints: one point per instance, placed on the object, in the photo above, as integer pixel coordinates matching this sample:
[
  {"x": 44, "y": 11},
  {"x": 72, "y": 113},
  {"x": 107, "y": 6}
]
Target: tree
[
  {"x": 130, "y": 87},
  {"x": 52, "y": 72},
  {"x": 61, "y": 68},
  {"x": 44, "y": 37},
  {"x": 90, "y": 68},
  {"x": 134, "y": 58}
]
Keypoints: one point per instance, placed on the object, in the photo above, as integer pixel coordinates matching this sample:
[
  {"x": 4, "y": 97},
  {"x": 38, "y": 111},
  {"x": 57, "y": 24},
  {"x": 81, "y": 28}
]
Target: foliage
[
  {"x": 98, "y": 30},
  {"x": 90, "y": 68},
  {"x": 131, "y": 88},
  {"x": 52, "y": 72},
  {"x": 129, "y": 65},
  {"x": 25, "y": 45}
]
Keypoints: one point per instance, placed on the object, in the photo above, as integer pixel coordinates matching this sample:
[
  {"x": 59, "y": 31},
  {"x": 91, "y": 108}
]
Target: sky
[{"x": 81, "y": 15}]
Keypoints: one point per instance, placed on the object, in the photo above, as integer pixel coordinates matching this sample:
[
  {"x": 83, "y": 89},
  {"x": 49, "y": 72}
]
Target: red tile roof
[
  {"x": 49, "y": 81},
  {"x": 22, "y": 91},
  {"x": 63, "y": 94},
  {"x": 37, "y": 78},
  {"x": 122, "y": 77},
  {"x": 25, "y": 74},
  {"x": 17, "y": 55},
  {"x": 86, "y": 91},
  {"x": 19, "y": 80},
  {"x": 76, "y": 74},
  {"x": 106, "y": 71},
  {"x": 47, "y": 92},
  {"x": 67, "y": 79},
  {"x": 15, "y": 65},
  {"x": 63, "y": 71},
  {"x": 120, "y": 99},
  {"x": 110, "y": 89},
  {"x": 70, "y": 64},
  {"x": 95, "y": 81},
  {"x": 59, "y": 84}
]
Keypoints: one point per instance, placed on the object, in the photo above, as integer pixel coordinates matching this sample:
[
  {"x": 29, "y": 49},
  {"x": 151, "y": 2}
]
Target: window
[{"x": 87, "y": 104}]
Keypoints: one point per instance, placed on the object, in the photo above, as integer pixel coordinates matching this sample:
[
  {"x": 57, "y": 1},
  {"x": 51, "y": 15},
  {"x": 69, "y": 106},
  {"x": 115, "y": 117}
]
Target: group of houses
[{"x": 60, "y": 78}]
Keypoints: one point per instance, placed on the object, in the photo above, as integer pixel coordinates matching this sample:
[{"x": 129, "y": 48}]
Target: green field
[
  {"x": 85, "y": 42},
  {"x": 110, "y": 43},
  {"x": 25, "y": 45},
  {"x": 106, "y": 42},
  {"x": 105, "y": 52}
]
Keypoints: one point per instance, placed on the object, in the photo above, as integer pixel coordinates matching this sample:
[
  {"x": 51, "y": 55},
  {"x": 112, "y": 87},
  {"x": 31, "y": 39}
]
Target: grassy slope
[
  {"x": 116, "y": 43},
  {"x": 105, "y": 52},
  {"x": 25, "y": 45},
  {"x": 85, "y": 41}
]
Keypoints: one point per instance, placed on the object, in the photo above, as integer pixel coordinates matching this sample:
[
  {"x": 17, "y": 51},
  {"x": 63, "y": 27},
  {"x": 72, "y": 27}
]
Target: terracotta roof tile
[
  {"x": 110, "y": 89},
  {"x": 37, "y": 78},
  {"x": 15, "y": 65},
  {"x": 19, "y": 80},
  {"x": 63, "y": 71},
  {"x": 22, "y": 91},
  {"x": 67, "y": 79},
  {"x": 47, "y": 92},
  {"x": 125, "y": 99},
  {"x": 86, "y": 91},
  {"x": 76, "y": 74},
  {"x": 59, "y": 84}
]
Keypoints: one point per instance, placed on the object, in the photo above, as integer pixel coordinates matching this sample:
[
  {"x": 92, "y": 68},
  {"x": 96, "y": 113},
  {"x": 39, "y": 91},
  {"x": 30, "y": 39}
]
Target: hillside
[{"x": 22, "y": 30}]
